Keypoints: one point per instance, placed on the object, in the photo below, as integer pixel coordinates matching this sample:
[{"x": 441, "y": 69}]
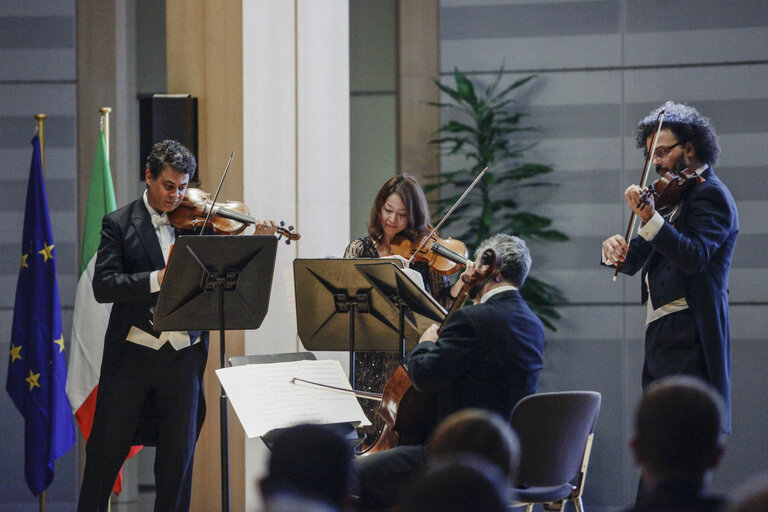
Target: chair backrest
[{"x": 553, "y": 429}]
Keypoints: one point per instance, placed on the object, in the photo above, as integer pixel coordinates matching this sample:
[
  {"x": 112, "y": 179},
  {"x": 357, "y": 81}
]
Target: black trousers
[
  {"x": 673, "y": 347},
  {"x": 173, "y": 379}
]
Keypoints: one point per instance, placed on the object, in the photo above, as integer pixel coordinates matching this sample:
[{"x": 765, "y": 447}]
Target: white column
[{"x": 296, "y": 151}]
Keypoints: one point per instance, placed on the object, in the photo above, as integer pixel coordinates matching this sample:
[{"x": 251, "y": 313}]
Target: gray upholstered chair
[{"x": 555, "y": 431}]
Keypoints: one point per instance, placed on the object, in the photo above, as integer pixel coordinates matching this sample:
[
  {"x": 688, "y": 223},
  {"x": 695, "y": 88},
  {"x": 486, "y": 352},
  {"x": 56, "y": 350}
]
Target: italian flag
[{"x": 89, "y": 323}]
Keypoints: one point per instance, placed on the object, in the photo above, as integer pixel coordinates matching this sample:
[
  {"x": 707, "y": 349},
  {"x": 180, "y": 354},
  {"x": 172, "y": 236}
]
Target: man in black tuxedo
[
  {"x": 684, "y": 255},
  {"x": 487, "y": 355},
  {"x": 151, "y": 383}
]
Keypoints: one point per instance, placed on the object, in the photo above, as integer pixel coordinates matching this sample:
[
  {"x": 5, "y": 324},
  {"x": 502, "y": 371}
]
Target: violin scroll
[
  {"x": 289, "y": 233},
  {"x": 488, "y": 267},
  {"x": 668, "y": 190}
]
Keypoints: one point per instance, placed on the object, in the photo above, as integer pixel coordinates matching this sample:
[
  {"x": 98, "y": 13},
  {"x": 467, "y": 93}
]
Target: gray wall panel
[
  {"x": 594, "y": 84},
  {"x": 679, "y": 15},
  {"x": 37, "y": 32},
  {"x": 37, "y": 75},
  {"x": 529, "y": 20},
  {"x": 545, "y": 53},
  {"x": 47, "y": 65}
]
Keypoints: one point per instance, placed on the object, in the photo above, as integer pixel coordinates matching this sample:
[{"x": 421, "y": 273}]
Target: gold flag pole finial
[
  {"x": 41, "y": 133},
  {"x": 105, "y": 128}
]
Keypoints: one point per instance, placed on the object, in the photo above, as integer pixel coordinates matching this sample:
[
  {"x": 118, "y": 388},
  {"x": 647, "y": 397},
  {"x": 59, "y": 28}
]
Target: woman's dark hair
[
  {"x": 687, "y": 125},
  {"x": 170, "y": 153},
  {"x": 409, "y": 190}
]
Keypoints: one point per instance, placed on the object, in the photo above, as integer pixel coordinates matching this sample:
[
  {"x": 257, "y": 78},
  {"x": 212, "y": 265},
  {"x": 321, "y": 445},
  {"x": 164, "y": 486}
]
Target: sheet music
[
  {"x": 415, "y": 276},
  {"x": 264, "y": 396}
]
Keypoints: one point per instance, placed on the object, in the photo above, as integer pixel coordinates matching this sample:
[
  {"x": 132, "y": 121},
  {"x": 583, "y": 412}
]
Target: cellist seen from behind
[
  {"x": 684, "y": 257},
  {"x": 487, "y": 355}
]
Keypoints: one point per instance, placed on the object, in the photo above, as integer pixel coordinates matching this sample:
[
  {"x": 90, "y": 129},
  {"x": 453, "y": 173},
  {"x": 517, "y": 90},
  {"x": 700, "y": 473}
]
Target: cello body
[{"x": 408, "y": 414}]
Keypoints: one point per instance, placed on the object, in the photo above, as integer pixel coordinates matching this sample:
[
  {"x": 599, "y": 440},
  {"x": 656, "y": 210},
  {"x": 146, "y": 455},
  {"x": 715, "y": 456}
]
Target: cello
[{"x": 408, "y": 414}]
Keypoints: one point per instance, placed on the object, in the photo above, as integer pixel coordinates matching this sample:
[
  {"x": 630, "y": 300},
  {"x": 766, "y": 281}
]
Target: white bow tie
[{"x": 160, "y": 220}]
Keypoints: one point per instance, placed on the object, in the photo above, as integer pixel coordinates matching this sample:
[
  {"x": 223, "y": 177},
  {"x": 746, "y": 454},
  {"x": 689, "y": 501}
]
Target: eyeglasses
[{"x": 663, "y": 151}]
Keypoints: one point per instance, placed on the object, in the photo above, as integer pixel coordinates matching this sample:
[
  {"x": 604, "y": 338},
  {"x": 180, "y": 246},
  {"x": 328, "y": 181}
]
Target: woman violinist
[{"x": 399, "y": 210}]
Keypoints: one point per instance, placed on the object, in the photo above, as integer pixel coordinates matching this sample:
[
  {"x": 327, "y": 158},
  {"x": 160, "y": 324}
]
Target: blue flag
[{"x": 37, "y": 370}]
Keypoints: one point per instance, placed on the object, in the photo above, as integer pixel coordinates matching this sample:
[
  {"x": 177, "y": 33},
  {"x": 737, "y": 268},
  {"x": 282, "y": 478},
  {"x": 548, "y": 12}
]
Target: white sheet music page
[{"x": 265, "y": 396}]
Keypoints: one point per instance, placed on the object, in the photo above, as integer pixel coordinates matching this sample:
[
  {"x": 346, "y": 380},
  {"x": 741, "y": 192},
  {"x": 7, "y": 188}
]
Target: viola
[
  {"x": 226, "y": 218},
  {"x": 444, "y": 256},
  {"x": 669, "y": 190}
]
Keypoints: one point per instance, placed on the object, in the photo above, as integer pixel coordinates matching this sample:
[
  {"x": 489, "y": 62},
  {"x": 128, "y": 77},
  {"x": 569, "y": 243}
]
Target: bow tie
[{"x": 160, "y": 220}]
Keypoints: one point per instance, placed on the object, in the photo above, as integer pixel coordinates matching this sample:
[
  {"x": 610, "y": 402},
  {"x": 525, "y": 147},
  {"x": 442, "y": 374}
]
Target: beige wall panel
[
  {"x": 418, "y": 57},
  {"x": 204, "y": 41}
]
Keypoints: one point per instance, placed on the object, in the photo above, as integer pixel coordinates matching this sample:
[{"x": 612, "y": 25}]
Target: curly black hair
[
  {"x": 170, "y": 153},
  {"x": 687, "y": 125}
]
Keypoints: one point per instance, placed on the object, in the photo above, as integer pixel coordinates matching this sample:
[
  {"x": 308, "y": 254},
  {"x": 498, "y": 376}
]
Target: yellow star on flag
[
  {"x": 32, "y": 379},
  {"x": 15, "y": 352},
  {"x": 24, "y": 260},
  {"x": 46, "y": 252},
  {"x": 60, "y": 343}
]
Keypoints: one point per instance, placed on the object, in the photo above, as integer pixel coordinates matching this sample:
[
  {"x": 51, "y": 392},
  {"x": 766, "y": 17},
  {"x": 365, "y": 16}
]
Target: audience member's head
[
  {"x": 310, "y": 462},
  {"x": 480, "y": 433},
  {"x": 467, "y": 484},
  {"x": 677, "y": 430},
  {"x": 752, "y": 496}
]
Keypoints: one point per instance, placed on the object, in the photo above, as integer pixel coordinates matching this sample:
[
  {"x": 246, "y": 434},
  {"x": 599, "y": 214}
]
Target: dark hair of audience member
[
  {"x": 677, "y": 428},
  {"x": 465, "y": 484},
  {"x": 310, "y": 461},
  {"x": 477, "y": 432}
]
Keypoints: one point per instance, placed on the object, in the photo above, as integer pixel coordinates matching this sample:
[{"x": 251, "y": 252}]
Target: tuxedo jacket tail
[
  {"x": 691, "y": 260},
  {"x": 129, "y": 252}
]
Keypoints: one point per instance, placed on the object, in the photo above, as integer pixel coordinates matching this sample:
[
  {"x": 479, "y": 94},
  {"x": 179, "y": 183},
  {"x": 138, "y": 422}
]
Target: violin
[
  {"x": 667, "y": 191},
  {"x": 444, "y": 256},
  {"x": 225, "y": 218},
  {"x": 410, "y": 415}
]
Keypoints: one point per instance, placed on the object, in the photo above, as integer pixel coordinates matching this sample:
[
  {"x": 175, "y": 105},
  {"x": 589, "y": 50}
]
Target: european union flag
[{"x": 37, "y": 370}]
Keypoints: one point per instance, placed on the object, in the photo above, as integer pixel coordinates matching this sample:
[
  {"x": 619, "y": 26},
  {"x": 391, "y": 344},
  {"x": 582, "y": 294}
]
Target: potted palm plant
[{"x": 485, "y": 128}]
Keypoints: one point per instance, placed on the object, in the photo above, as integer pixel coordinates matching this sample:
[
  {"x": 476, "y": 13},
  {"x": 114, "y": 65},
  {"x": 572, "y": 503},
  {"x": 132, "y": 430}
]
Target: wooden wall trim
[
  {"x": 204, "y": 59},
  {"x": 418, "y": 53}
]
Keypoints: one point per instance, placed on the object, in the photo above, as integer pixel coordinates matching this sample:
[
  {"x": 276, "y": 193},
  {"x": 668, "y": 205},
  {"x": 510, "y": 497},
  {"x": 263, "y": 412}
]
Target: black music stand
[
  {"x": 217, "y": 282},
  {"x": 337, "y": 309},
  {"x": 408, "y": 299}
]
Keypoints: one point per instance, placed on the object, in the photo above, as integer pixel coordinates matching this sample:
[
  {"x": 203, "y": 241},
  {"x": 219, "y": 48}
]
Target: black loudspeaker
[{"x": 167, "y": 116}]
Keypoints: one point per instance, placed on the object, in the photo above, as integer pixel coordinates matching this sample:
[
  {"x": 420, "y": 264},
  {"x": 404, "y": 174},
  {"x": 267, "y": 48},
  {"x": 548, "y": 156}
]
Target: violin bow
[
  {"x": 458, "y": 201},
  {"x": 643, "y": 181},
  {"x": 216, "y": 195}
]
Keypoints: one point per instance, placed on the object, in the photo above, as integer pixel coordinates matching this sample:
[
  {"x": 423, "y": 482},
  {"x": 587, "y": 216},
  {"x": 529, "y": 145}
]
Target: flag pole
[
  {"x": 40, "y": 118},
  {"x": 41, "y": 135},
  {"x": 105, "y": 128}
]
